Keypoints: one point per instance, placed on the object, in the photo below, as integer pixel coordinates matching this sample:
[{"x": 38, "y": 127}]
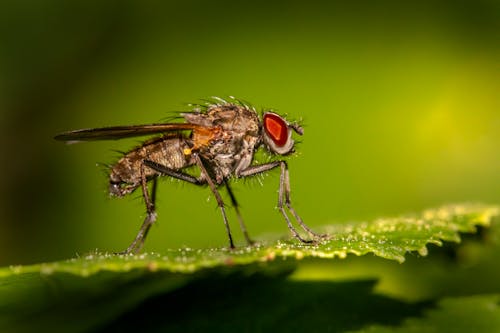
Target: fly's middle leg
[
  {"x": 204, "y": 179},
  {"x": 220, "y": 202},
  {"x": 240, "y": 218}
]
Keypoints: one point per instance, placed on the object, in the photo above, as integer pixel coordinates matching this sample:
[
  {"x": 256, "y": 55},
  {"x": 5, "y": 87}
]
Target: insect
[{"x": 219, "y": 139}]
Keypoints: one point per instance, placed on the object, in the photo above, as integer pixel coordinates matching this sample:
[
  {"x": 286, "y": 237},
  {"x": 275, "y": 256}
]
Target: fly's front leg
[
  {"x": 256, "y": 169},
  {"x": 283, "y": 196},
  {"x": 138, "y": 242},
  {"x": 285, "y": 179},
  {"x": 282, "y": 193}
]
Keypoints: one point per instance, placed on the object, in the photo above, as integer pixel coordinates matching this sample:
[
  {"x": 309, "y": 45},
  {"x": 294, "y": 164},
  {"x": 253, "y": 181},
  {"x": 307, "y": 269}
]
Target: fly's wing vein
[{"x": 121, "y": 132}]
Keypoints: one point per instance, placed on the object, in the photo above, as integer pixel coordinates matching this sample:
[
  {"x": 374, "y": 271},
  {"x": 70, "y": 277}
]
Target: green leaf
[
  {"x": 389, "y": 238},
  {"x": 479, "y": 314},
  {"x": 90, "y": 291}
]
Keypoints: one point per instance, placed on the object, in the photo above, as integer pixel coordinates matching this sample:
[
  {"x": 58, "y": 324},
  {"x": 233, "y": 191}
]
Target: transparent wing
[{"x": 121, "y": 132}]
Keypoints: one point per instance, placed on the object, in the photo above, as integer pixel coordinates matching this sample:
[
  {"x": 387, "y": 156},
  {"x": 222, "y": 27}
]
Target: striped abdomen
[{"x": 168, "y": 151}]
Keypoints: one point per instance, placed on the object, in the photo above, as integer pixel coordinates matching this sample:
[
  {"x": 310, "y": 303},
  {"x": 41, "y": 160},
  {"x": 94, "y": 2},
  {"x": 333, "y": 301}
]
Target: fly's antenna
[{"x": 298, "y": 126}]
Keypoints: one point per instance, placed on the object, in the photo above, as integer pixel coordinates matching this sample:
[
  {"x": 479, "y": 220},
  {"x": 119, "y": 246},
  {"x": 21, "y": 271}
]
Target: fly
[{"x": 219, "y": 140}]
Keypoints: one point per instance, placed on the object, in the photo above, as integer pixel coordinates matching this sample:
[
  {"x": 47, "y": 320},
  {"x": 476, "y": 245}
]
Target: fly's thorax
[
  {"x": 230, "y": 117},
  {"x": 237, "y": 119},
  {"x": 234, "y": 135}
]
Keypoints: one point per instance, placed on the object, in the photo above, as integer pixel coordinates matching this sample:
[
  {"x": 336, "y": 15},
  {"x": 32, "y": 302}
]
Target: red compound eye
[{"x": 276, "y": 128}]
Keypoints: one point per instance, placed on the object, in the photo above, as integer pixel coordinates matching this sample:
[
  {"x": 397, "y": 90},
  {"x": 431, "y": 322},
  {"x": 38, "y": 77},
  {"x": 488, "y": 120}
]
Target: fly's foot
[
  {"x": 303, "y": 240},
  {"x": 123, "y": 253},
  {"x": 315, "y": 239},
  {"x": 133, "y": 249},
  {"x": 251, "y": 242},
  {"x": 136, "y": 246},
  {"x": 320, "y": 237}
]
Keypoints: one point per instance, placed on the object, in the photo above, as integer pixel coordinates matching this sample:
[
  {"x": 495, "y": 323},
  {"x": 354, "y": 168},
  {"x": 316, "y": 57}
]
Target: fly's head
[{"x": 277, "y": 133}]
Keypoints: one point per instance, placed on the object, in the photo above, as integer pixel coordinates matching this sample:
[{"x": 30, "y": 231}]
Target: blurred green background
[{"x": 400, "y": 102}]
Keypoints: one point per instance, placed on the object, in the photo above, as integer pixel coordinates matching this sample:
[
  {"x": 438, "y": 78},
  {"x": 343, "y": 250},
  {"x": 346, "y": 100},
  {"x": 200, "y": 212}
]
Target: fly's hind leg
[
  {"x": 138, "y": 242},
  {"x": 149, "y": 200},
  {"x": 240, "y": 219},
  {"x": 172, "y": 173}
]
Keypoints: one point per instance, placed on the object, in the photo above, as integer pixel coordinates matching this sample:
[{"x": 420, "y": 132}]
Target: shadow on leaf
[{"x": 258, "y": 303}]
